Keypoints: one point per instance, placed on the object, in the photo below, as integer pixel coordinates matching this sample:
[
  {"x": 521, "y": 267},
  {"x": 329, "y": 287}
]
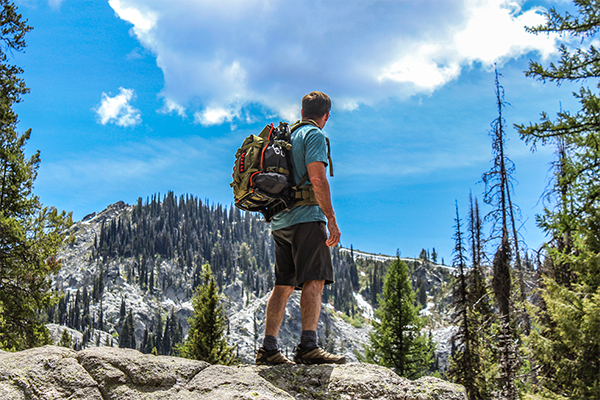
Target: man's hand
[
  {"x": 334, "y": 233},
  {"x": 318, "y": 178}
]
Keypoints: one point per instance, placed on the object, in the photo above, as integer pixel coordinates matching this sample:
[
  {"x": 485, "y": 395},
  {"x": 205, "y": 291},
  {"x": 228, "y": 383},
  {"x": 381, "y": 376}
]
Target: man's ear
[{"x": 302, "y": 112}]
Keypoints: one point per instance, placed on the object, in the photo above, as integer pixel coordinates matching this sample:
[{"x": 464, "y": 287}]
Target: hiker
[{"x": 302, "y": 258}]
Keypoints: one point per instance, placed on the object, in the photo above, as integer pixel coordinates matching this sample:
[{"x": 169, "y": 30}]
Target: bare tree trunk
[
  {"x": 519, "y": 268},
  {"x": 501, "y": 280}
]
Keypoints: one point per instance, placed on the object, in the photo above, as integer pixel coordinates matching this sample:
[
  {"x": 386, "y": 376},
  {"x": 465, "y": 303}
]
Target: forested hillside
[
  {"x": 237, "y": 245},
  {"x": 146, "y": 260},
  {"x": 191, "y": 233}
]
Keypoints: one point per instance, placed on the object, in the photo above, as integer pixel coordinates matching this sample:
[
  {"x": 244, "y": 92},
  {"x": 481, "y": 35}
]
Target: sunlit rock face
[{"x": 101, "y": 373}]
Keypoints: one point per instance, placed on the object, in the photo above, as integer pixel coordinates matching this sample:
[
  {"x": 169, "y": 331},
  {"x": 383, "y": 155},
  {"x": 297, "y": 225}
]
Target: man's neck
[{"x": 320, "y": 122}]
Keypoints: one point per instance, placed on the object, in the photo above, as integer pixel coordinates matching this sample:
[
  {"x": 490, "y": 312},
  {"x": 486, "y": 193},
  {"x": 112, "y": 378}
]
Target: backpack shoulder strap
[
  {"x": 299, "y": 124},
  {"x": 329, "y": 156}
]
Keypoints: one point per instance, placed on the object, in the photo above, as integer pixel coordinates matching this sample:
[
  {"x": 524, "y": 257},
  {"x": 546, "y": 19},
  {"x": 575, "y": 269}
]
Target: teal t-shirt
[{"x": 308, "y": 145}]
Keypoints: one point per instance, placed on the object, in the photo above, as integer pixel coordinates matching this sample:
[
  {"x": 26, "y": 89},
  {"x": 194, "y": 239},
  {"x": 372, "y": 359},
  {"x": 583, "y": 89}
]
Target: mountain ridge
[{"x": 85, "y": 269}]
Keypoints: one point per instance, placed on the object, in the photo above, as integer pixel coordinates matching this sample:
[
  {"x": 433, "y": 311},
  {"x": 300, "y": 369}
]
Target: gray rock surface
[{"x": 103, "y": 373}]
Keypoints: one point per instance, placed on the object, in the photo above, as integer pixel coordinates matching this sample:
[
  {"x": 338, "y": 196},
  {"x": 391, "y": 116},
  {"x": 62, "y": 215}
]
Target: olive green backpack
[{"x": 263, "y": 180}]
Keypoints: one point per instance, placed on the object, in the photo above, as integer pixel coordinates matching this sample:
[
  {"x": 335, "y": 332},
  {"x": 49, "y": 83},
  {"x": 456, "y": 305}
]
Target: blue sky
[{"x": 135, "y": 97}]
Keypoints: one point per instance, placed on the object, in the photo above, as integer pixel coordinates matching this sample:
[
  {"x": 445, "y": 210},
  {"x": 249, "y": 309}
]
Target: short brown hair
[{"x": 315, "y": 105}]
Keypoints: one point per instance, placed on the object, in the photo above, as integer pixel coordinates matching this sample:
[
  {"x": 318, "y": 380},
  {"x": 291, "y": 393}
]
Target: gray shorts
[{"x": 301, "y": 255}]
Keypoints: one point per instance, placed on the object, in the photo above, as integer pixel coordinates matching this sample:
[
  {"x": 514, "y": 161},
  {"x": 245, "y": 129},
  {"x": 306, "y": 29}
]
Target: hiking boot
[
  {"x": 274, "y": 357},
  {"x": 316, "y": 355}
]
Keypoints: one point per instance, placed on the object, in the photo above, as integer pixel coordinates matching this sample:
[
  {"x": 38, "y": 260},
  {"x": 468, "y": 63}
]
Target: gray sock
[
  {"x": 270, "y": 343},
  {"x": 308, "y": 339}
]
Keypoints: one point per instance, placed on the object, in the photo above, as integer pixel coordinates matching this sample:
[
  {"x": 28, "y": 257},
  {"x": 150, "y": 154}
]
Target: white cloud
[
  {"x": 172, "y": 107},
  {"x": 493, "y": 32},
  {"x": 117, "y": 109},
  {"x": 214, "y": 116},
  {"x": 55, "y": 3},
  {"x": 422, "y": 69},
  {"x": 142, "y": 20},
  {"x": 219, "y": 58}
]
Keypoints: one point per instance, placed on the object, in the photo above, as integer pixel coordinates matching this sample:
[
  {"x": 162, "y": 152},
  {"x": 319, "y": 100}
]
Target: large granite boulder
[{"x": 103, "y": 373}]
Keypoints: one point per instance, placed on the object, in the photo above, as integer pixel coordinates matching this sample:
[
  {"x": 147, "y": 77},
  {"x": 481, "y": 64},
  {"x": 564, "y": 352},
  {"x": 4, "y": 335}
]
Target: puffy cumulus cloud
[
  {"x": 491, "y": 32},
  {"x": 494, "y": 31},
  {"x": 143, "y": 20},
  {"x": 215, "y": 115},
  {"x": 118, "y": 109},
  {"x": 422, "y": 68},
  {"x": 221, "y": 57}
]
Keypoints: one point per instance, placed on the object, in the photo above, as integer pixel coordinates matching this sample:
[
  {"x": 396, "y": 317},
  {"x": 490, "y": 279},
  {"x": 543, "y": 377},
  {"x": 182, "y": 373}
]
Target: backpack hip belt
[{"x": 305, "y": 196}]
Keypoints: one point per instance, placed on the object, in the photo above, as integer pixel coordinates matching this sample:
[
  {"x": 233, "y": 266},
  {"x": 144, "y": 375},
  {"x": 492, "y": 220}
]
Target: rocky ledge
[{"x": 103, "y": 373}]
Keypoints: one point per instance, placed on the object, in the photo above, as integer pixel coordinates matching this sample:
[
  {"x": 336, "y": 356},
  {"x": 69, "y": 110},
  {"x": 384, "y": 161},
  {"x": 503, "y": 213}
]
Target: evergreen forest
[
  {"x": 527, "y": 320},
  {"x": 238, "y": 247}
]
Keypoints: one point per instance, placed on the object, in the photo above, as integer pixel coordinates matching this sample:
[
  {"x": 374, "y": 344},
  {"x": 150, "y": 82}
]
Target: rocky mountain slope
[
  {"x": 51, "y": 373},
  {"x": 106, "y": 285}
]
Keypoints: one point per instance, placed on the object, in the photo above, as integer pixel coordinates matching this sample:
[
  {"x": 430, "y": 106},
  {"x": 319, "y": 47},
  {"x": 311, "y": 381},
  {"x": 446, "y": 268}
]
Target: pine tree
[
  {"x": 65, "y": 339},
  {"x": 148, "y": 342},
  {"x": 62, "y": 309},
  {"x": 483, "y": 341},
  {"x": 466, "y": 366},
  {"x": 86, "y": 318},
  {"x": 127, "y": 336},
  {"x": 397, "y": 341},
  {"x": 172, "y": 335},
  {"x": 479, "y": 291},
  {"x": 158, "y": 334},
  {"x": 566, "y": 343},
  {"x": 166, "y": 339},
  {"x": 100, "y": 324},
  {"x": 353, "y": 272},
  {"x": 206, "y": 338},
  {"x": 30, "y": 234},
  {"x": 145, "y": 339},
  {"x": 122, "y": 311},
  {"x": 421, "y": 292},
  {"x": 176, "y": 333}
]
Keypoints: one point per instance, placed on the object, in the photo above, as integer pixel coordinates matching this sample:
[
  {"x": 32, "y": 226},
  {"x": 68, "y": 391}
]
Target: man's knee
[
  {"x": 282, "y": 291},
  {"x": 313, "y": 285}
]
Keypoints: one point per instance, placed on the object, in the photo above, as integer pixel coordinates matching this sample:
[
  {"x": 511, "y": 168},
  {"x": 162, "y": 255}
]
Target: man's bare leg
[
  {"x": 269, "y": 354},
  {"x": 310, "y": 304},
  {"x": 308, "y": 351},
  {"x": 276, "y": 308}
]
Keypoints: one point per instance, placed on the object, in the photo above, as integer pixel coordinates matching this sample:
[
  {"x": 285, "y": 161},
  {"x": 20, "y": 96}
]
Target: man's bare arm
[{"x": 318, "y": 178}]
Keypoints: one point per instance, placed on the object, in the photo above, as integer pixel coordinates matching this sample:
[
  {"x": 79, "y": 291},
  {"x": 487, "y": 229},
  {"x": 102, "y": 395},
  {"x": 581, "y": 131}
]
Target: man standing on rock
[{"x": 302, "y": 258}]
